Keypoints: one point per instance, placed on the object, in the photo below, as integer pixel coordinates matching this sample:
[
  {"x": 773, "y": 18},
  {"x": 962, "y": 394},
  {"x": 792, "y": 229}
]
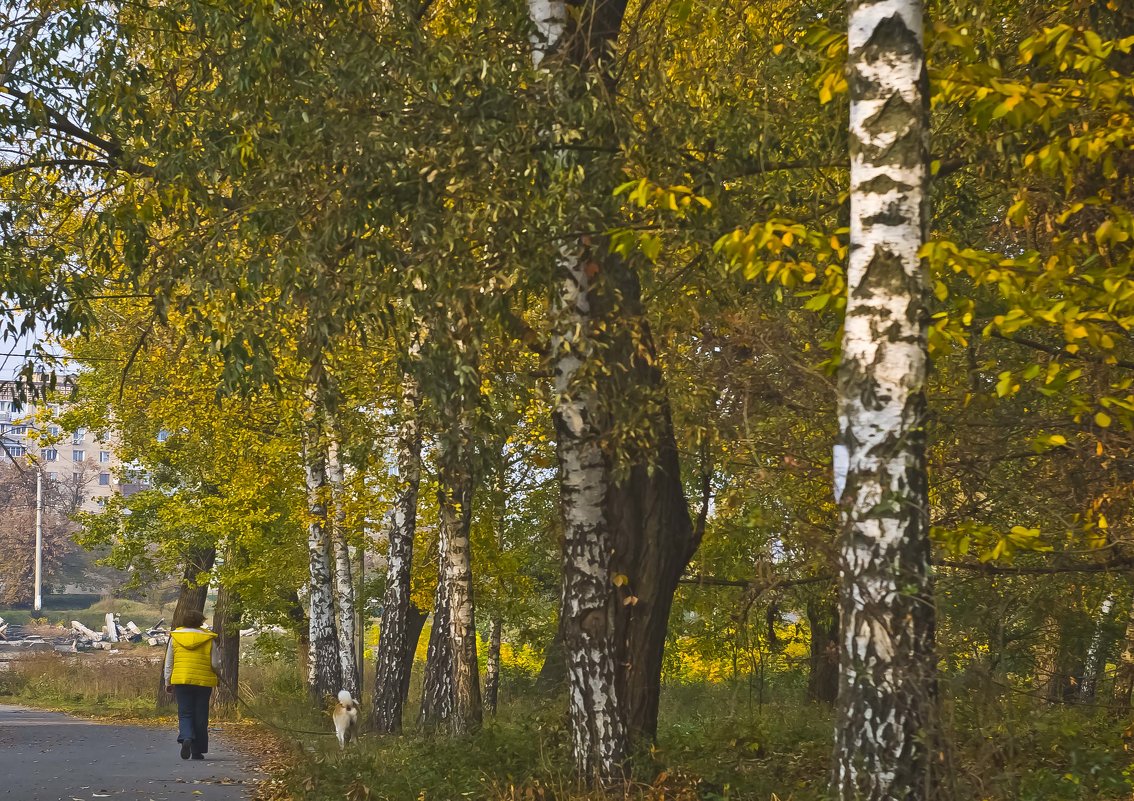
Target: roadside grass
[
  {"x": 92, "y": 615},
  {"x": 90, "y": 685},
  {"x": 704, "y": 751},
  {"x": 125, "y": 686},
  {"x": 730, "y": 740}
]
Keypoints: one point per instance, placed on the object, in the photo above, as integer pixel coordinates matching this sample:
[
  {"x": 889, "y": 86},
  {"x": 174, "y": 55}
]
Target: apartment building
[{"x": 80, "y": 462}]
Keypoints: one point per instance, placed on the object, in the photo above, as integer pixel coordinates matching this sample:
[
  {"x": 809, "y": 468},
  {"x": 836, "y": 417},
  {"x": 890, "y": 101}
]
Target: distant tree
[{"x": 17, "y": 531}]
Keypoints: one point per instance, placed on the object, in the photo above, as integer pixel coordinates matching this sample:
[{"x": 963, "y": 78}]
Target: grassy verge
[
  {"x": 716, "y": 742},
  {"x": 92, "y": 615}
]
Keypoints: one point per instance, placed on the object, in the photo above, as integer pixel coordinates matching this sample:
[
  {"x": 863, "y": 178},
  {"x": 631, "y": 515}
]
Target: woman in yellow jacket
[{"x": 191, "y": 664}]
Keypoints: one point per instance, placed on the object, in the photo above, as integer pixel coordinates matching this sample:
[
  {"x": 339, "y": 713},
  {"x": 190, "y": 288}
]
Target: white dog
[{"x": 346, "y": 718}]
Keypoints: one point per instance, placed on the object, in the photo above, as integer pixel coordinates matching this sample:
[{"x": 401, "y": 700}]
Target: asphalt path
[{"x": 47, "y": 756}]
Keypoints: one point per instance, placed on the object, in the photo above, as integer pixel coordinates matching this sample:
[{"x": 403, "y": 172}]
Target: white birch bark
[
  {"x": 492, "y": 668},
  {"x": 401, "y": 524},
  {"x": 1095, "y": 652},
  {"x": 437, "y": 689},
  {"x": 599, "y": 740},
  {"x": 597, "y": 723},
  {"x": 455, "y": 497},
  {"x": 343, "y": 581},
  {"x": 887, "y": 669},
  {"x": 549, "y": 22},
  {"x": 324, "y": 668}
]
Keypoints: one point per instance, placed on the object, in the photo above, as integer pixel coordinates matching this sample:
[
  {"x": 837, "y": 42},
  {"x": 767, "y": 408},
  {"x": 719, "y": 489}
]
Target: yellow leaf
[
  {"x": 1102, "y": 522},
  {"x": 619, "y": 579},
  {"x": 1102, "y": 419}
]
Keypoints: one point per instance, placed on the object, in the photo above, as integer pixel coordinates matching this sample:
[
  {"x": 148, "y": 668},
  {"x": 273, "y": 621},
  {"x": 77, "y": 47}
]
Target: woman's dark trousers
[{"x": 193, "y": 715}]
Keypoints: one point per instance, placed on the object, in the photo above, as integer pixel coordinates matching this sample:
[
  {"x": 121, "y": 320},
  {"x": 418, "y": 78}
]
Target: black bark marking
[
  {"x": 891, "y": 37},
  {"x": 884, "y": 273},
  {"x": 882, "y": 184}
]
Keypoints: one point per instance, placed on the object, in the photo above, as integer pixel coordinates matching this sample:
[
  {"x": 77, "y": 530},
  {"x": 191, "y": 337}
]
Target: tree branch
[
  {"x": 1061, "y": 352},
  {"x": 1118, "y": 563},
  {"x": 34, "y": 165}
]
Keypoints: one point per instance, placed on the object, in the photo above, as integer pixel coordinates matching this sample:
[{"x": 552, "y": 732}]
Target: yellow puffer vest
[{"x": 192, "y": 658}]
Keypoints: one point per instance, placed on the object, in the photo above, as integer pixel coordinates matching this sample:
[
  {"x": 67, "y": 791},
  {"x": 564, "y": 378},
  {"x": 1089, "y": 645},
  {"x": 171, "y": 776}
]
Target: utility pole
[{"x": 38, "y": 538}]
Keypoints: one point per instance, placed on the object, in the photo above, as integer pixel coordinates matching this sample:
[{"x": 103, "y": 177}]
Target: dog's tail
[{"x": 344, "y": 697}]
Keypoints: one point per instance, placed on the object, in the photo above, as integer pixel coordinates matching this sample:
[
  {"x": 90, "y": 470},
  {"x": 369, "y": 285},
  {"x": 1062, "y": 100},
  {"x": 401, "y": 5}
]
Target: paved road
[{"x": 46, "y": 756}]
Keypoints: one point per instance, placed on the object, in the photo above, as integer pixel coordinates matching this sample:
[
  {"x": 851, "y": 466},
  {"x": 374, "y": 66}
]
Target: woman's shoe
[
  {"x": 198, "y": 756},
  {"x": 186, "y": 747}
]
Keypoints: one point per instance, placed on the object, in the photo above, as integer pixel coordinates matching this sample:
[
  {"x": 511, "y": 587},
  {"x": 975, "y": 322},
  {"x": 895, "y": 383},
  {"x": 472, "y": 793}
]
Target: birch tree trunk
[
  {"x": 492, "y": 668},
  {"x": 587, "y": 599},
  {"x": 587, "y": 614},
  {"x": 1124, "y": 679},
  {"x": 437, "y": 688},
  {"x": 887, "y": 693},
  {"x": 324, "y": 676},
  {"x": 455, "y": 501},
  {"x": 391, "y": 668},
  {"x": 1096, "y": 653},
  {"x": 345, "y": 611}
]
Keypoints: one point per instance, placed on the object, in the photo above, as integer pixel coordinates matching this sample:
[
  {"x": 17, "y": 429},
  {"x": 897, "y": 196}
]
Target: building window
[
  {"x": 53, "y": 430},
  {"x": 17, "y": 450},
  {"x": 77, "y": 456},
  {"x": 101, "y": 501},
  {"x": 104, "y": 457},
  {"x": 77, "y": 437},
  {"x": 19, "y": 431},
  {"x": 52, "y": 476},
  {"x": 75, "y": 477},
  {"x": 104, "y": 479},
  {"x": 50, "y": 454}
]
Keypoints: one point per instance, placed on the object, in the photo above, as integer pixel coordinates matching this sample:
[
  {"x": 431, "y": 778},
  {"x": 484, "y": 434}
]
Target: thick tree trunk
[
  {"x": 455, "y": 501},
  {"x": 492, "y": 668},
  {"x": 1046, "y": 660},
  {"x": 392, "y": 671},
  {"x": 637, "y": 529},
  {"x": 1096, "y": 653},
  {"x": 437, "y": 687},
  {"x": 654, "y": 537},
  {"x": 885, "y": 726},
  {"x": 324, "y": 675},
  {"x": 345, "y": 610},
  {"x": 414, "y": 626},
  {"x": 553, "y": 672},
  {"x": 193, "y": 592},
  {"x": 191, "y": 597},
  {"x": 226, "y": 623},
  {"x": 1124, "y": 678},
  {"x": 823, "y": 676},
  {"x": 586, "y": 608}
]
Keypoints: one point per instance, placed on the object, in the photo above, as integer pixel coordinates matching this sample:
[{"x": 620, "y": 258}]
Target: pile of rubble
[
  {"x": 114, "y": 632},
  {"x": 80, "y": 638}
]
